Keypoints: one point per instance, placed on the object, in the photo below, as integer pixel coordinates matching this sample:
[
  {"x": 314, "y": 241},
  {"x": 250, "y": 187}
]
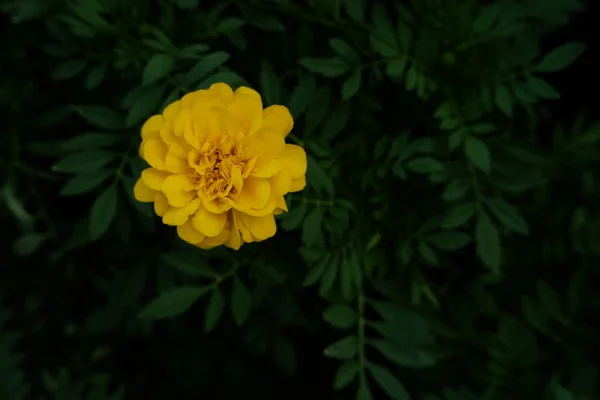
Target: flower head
[{"x": 219, "y": 166}]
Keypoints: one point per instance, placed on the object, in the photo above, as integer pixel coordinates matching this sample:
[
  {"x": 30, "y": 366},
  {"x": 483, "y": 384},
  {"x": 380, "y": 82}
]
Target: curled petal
[
  {"x": 161, "y": 204},
  {"x": 293, "y": 157},
  {"x": 142, "y": 193},
  {"x": 261, "y": 228},
  {"x": 219, "y": 240},
  {"x": 277, "y": 120},
  {"x": 154, "y": 178},
  {"x": 255, "y": 193},
  {"x": 207, "y": 223},
  {"x": 178, "y": 190},
  {"x": 298, "y": 184},
  {"x": 222, "y": 90},
  {"x": 281, "y": 183},
  {"x": 189, "y": 234},
  {"x": 155, "y": 152},
  {"x": 246, "y": 105},
  {"x": 176, "y": 216},
  {"x": 152, "y": 126},
  {"x": 172, "y": 110}
]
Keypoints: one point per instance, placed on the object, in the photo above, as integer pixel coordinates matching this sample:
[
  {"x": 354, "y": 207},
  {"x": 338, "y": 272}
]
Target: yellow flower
[{"x": 219, "y": 166}]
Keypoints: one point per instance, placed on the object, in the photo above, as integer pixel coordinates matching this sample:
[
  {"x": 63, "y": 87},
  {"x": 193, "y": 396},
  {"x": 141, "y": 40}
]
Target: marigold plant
[{"x": 220, "y": 167}]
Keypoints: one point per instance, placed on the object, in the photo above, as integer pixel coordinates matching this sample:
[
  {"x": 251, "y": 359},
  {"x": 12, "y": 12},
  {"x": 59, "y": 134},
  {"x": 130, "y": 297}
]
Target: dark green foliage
[{"x": 445, "y": 247}]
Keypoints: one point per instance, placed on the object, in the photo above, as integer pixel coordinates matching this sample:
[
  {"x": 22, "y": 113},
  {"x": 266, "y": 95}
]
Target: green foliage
[{"x": 444, "y": 248}]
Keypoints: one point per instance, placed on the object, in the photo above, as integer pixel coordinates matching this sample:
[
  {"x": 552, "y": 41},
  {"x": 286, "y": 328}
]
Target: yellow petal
[
  {"x": 178, "y": 190},
  {"x": 219, "y": 240},
  {"x": 188, "y": 99},
  {"x": 216, "y": 206},
  {"x": 155, "y": 152},
  {"x": 261, "y": 227},
  {"x": 207, "y": 223},
  {"x": 293, "y": 157},
  {"x": 161, "y": 204},
  {"x": 235, "y": 239},
  {"x": 298, "y": 184},
  {"x": 152, "y": 126},
  {"x": 183, "y": 120},
  {"x": 176, "y": 160},
  {"x": 172, "y": 110},
  {"x": 176, "y": 216},
  {"x": 223, "y": 90},
  {"x": 154, "y": 178},
  {"x": 255, "y": 193},
  {"x": 143, "y": 193},
  {"x": 280, "y": 183},
  {"x": 166, "y": 133},
  {"x": 264, "y": 168},
  {"x": 189, "y": 234},
  {"x": 280, "y": 202},
  {"x": 278, "y": 120},
  {"x": 246, "y": 105}
]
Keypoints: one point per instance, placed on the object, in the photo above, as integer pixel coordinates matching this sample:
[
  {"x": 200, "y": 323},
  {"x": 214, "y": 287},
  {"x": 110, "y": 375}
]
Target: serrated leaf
[
  {"x": 407, "y": 356},
  {"x": 347, "y": 372},
  {"x": 89, "y": 141},
  {"x": 311, "y": 228},
  {"x": 344, "y": 51},
  {"x": 318, "y": 178},
  {"x": 396, "y": 67},
  {"x": 459, "y": 215},
  {"x": 477, "y": 152},
  {"x": 173, "y": 302},
  {"x": 158, "y": 66},
  {"x": 507, "y": 215},
  {"x": 103, "y": 212},
  {"x": 425, "y": 165},
  {"x": 214, "y": 310},
  {"x": 344, "y": 349},
  {"x": 205, "y": 66},
  {"x": 102, "y": 117},
  {"x": 302, "y": 95},
  {"x": 503, "y": 99},
  {"x": 188, "y": 264},
  {"x": 95, "y": 76},
  {"x": 449, "y": 240},
  {"x": 542, "y": 88},
  {"x": 84, "y": 162},
  {"x": 328, "y": 67},
  {"x": 241, "y": 302},
  {"x": 388, "y": 382},
  {"x": 352, "y": 85},
  {"x": 488, "y": 243},
  {"x": 340, "y": 316},
  {"x": 427, "y": 253},
  {"x": 85, "y": 182},
  {"x": 294, "y": 217},
  {"x": 561, "y": 57}
]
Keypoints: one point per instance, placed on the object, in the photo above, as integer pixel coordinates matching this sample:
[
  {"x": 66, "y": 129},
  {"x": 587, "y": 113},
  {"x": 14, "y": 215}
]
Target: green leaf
[
  {"x": 352, "y": 85},
  {"x": 89, "y": 141},
  {"x": 340, "y": 316},
  {"x": 69, "y": 69},
  {"x": 230, "y": 24},
  {"x": 316, "y": 272},
  {"x": 302, "y": 95},
  {"x": 503, "y": 99},
  {"x": 241, "y": 302},
  {"x": 172, "y": 302},
  {"x": 189, "y": 264},
  {"x": 487, "y": 239},
  {"x": 388, "y": 382},
  {"x": 427, "y": 253},
  {"x": 158, "y": 66},
  {"x": 285, "y": 355},
  {"x": 100, "y": 116},
  {"x": 396, "y": 67},
  {"x": 364, "y": 392},
  {"x": 347, "y": 372},
  {"x": 561, "y": 57},
  {"x": 407, "y": 356},
  {"x": 214, "y": 310},
  {"x": 561, "y": 393},
  {"x": 205, "y": 66},
  {"x": 259, "y": 18},
  {"x": 336, "y": 120},
  {"x": 293, "y": 218},
  {"x": 425, "y": 165},
  {"x": 146, "y": 106},
  {"x": 95, "y": 76},
  {"x": 550, "y": 301},
  {"x": 311, "y": 228},
  {"x": 508, "y": 215},
  {"x": 84, "y": 162},
  {"x": 477, "y": 152},
  {"x": 328, "y": 67},
  {"x": 355, "y": 9},
  {"x": 542, "y": 88},
  {"x": 29, "y": 244},
  {"x": 449, "y": 240},
  {"x": 344, "y": 51},
  {"x": 270, "y": 84},
  {"x": 85, "y": 182},
  {"x": 318, "y": 178},
  {"x": 103, "y": 212},
  {"x": 459, "y": 215},
  {"x": 228, "y": 77},
  {"x": 344, "y": 349}
]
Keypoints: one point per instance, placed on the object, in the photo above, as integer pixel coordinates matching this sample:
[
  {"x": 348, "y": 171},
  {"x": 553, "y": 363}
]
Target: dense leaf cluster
[{"x": 445, "y": 247}]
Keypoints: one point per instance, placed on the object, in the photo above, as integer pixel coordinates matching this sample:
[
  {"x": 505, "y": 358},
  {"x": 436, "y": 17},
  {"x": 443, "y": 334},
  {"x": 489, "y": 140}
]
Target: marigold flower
[{"x": 219, "y": 166}]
